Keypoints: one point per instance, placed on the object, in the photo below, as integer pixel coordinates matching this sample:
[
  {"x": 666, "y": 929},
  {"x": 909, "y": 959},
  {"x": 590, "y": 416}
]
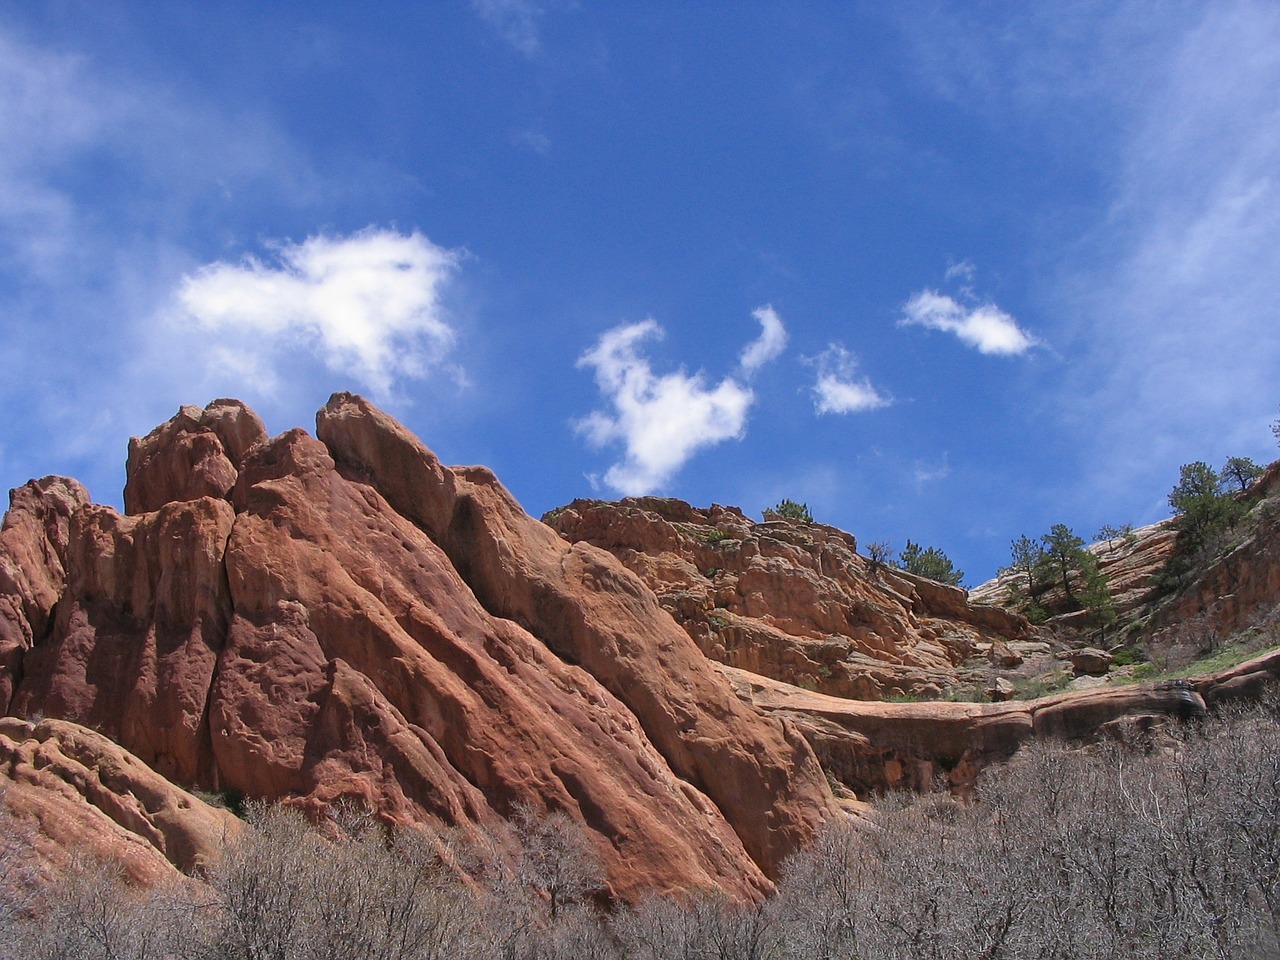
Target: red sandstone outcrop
[
  {"x": 591, "y": 611},
  {"x": 872, "y": 747},
  {"x": 313, "y": 619},
  {"x": 66, "y": 790},
  {"x": 1131, "y": 564},
  {"x": 1235, "y": 591},
  {"x": 195, "y": 454},
  {"x": 792, "y": 600},
  {"x": 1241, "y": 588},
  {"x": 309, "y": 621},
  {"x": 33, "y": 548}
]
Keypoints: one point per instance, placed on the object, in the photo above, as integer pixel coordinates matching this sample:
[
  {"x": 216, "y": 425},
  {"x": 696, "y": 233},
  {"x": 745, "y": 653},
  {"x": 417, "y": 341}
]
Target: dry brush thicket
[{"x": 1166, "y": 850}]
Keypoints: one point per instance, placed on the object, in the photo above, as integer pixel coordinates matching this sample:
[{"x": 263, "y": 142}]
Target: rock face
[
  {"x": 1238, "y": 590},
  {"x": 314, "y": 619},
  {"x": 1241, "y": 588},
  {"x": 65, "y": 789},
  {"x": 873, "y": 747},
  {"x": 792, "y": 600},
  {"x": 1131, "y": 564}
]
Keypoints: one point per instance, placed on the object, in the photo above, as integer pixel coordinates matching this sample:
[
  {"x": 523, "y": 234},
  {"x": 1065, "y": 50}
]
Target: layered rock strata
[
  {"x": 67, "y": 791},
  {"x": 1235, "y": 591},
  {"x": 876, "y": 747},
  {"x": 792, "y": 600}
]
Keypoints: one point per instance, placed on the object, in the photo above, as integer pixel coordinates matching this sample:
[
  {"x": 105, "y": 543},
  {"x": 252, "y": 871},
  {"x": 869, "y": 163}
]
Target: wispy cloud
[
  {"x": 964, "y": 271},
  {"x": 367, "y": 304},
  {"x": 661, "y": 421},
  {"x": 107, "y": 181},
  {"x": 515, "y": 20},
  {"x": 1181, "y": 289},
  {"x": 985, "y": 326},
  {"x": 1165, "y": 303},
  {"x": 768, "y": 346},
  {"x": 838, "y": 389},
  {"x": 927, "y": 472},
  {"x": 533, "y": 140}
]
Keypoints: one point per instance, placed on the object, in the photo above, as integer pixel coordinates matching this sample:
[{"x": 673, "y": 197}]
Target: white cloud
[
  {"x": 926, "y": 472},
  {"x": 516, "y": 20},
  {"x": 368, "y": 304},
  {"x": 768, "y": 346},
  {"x": 1164, "y": 302},
  {"x": 107, "y": 181},
  {"x": 662, "y": 421},
  {"x": 986, "y": 327},
  {"x": 963, "y": 271},
  {"x": 837, "y": 390}
]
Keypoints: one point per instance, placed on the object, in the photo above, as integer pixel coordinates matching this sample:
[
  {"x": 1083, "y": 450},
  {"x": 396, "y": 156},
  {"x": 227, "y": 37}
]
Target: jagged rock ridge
[
  {"x": 341, "y": 616},
  {"x": 344, "y": 617}
]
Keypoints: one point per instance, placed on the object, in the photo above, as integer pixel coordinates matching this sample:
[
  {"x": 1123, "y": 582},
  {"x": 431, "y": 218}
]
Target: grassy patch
[
  {"x": 1221, "y": 659},
  {"x": 1032, "y": 688}
]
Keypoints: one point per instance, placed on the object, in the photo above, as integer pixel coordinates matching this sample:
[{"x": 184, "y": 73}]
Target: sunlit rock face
[
  {"x": 792, "y": 600},
  {"x": 342, "y": 617}
]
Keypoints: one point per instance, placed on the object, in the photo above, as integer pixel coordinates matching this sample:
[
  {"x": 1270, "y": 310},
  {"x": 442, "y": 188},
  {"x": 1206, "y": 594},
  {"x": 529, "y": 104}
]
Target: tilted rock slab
[
  {"x": 317, "y": 619},
  {"x": 66, "y": 790}
]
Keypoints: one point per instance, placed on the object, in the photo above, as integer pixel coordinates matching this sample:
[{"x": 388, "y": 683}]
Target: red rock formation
[
  {"x": 1241, "y": 587},
  {"x": 195, "y": 454},
  {"x": 389, "y": 629},
  {"x": 67, "y": 790},
  {"x": 872, "y": 747},
  {"x": 33, "y": 548},
  {"x": 590, "y": 610},
  {"x": 792, "y": 600},
  {"x": 139, "y": 627},
  {"x": 1231, "y": 593},
  {"x": 312, "y": 619}
]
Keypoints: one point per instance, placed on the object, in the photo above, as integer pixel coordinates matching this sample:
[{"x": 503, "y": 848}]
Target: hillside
[{"x": 340, "y": 619}]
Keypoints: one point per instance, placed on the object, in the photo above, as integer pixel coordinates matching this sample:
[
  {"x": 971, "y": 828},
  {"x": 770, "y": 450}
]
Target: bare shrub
[
  {"x": 691, "y": 929},
  {"x": 1099, "y": 853},
  {"x": 93, "y": 914}
]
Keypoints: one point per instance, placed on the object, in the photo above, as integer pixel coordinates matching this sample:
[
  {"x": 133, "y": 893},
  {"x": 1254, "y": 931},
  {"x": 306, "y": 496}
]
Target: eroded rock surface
[
  {"x": 69, "y": 791},
  {"x": 875, "y": 747},
  {"x": 792, "y": 600},
  {"x": 1234, "y": 592},
  {"x": 312, "y": 619}
]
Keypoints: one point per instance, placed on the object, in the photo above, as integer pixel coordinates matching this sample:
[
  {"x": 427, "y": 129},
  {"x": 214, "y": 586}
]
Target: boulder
[
  {"x": 1003, "y": 656},
  {"x": 1090, "y": 661},
  {"x": 1001, "y": 689}
]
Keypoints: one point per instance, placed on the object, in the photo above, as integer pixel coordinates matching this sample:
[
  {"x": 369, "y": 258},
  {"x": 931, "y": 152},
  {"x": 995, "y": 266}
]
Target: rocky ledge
[{"x": 793, "y": 600}]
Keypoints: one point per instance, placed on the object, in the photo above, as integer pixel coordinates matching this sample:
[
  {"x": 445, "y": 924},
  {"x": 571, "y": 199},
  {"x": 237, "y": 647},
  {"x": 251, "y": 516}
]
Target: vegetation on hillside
[
  {"x": 1163, "y": 849},
  {"x": 1055, "y": 574},
  {"x": 791, "y": 510},
  {"x": 929, "y": 562}
]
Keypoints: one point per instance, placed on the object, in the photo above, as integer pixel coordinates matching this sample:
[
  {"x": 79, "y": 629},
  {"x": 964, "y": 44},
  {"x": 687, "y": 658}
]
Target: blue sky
[{"x": 944, "y": 271}]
